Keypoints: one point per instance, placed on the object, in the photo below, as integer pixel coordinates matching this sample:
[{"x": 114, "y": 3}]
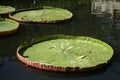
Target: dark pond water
[{"x": 90, "y": 19}]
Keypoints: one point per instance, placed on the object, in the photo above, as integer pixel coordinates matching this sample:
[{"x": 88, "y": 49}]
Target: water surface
[{"x": 88, "y": 20}]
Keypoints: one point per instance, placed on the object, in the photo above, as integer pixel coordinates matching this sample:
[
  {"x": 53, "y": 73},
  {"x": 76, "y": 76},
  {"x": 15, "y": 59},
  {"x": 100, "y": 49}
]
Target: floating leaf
[
  {"x": 42, "y": 15},
  {"x": 6, "y": 9},
  {"x": 8, "y": 26},
  {"x": 72, "y": 55}
]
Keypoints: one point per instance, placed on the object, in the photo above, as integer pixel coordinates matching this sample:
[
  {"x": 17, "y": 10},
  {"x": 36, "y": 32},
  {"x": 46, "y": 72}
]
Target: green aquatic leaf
[
  {"x": 6, "y": 9},
  {"x": 68, "y": 51},
  {"x": 2, "y": 19},
  {"x": 45, "y": 15},
  {"x": 7, "y": 24}
]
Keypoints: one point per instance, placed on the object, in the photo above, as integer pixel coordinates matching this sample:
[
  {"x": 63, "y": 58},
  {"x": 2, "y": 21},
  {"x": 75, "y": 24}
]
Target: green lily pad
[
  {"x": 6, "y": 9},
  {"x": 8, "y": 26},
  {"x": 65, "y": 53},
  {"x": 42, "y": 15}
]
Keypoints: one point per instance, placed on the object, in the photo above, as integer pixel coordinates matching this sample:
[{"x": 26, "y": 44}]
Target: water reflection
[
  {"x": 82, "y": 24},
  {"x": 67, "y": 74},
  {"x": 109, "y": 7}
]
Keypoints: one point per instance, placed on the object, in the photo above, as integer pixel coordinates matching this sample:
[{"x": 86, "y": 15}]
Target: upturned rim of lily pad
[
  {"x": 14, "y": 25},
  {"x": 11, "y": 15},
  {"x": 50, "y": 67},
  {"x": 10, "y": 9}
]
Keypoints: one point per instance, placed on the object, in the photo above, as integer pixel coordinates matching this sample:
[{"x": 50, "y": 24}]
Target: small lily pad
[
  {"x": 6, "y": 9},
  {"x": 65, "y": 53},
  {"x": 42, "y": 15},
  {"x": 8, "y": 26}
]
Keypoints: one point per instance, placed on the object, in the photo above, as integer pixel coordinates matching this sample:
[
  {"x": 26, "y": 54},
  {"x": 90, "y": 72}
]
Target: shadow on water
[
  {"x": 66, "y": 74},
  {"x": 73, "y": 75}
]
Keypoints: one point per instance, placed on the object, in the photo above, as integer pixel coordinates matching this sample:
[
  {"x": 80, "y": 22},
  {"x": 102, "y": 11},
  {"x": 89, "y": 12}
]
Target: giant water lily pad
[
  {"x": 6, "y": 9},
  {"x": 42, "y": 15},
  {"x": 8, "y": 26},
  {"x": 65, "y": 53}
]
